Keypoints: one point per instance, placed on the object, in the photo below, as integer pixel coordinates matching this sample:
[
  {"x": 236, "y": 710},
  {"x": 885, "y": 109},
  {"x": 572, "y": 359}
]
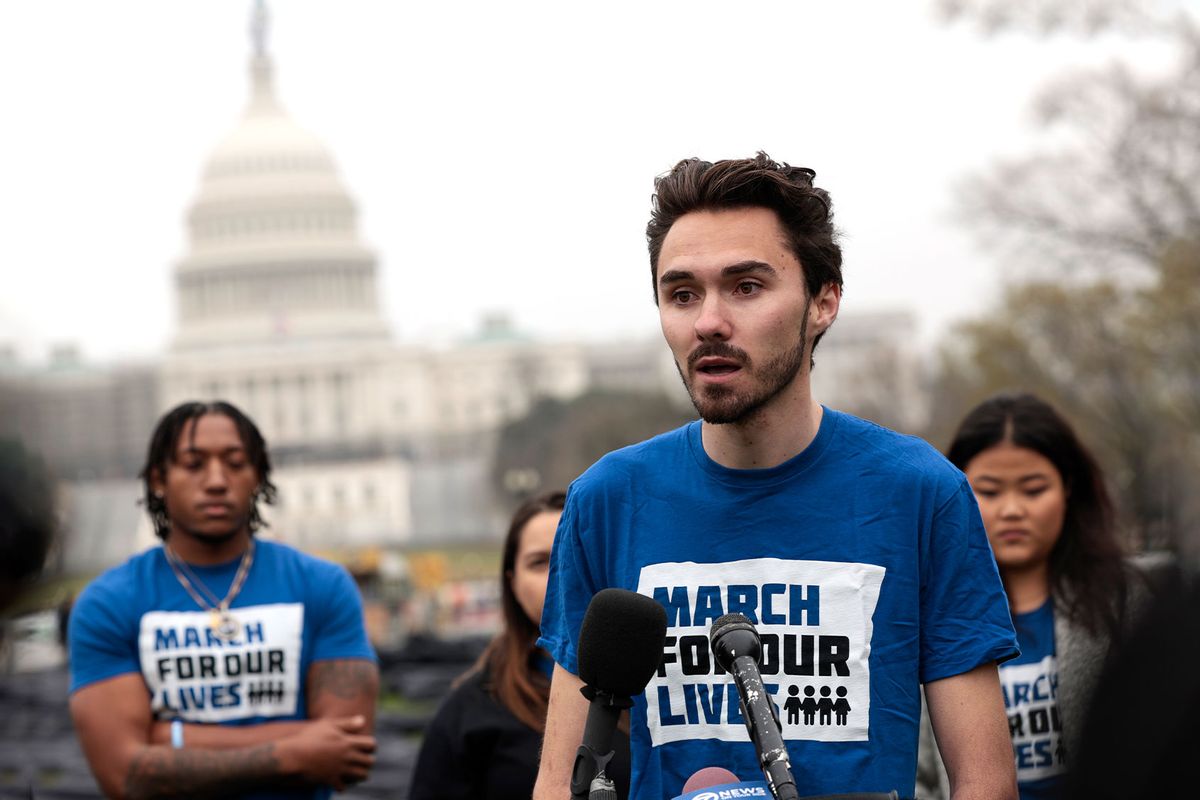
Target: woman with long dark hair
[
  {"x": 485, "y": 738},
  {"x": 1052, "y": 528},
  {"x": 1047, "y": 512}
]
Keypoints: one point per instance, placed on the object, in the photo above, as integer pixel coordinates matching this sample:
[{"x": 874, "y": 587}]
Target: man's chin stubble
[{"x": 723, "y": 406}]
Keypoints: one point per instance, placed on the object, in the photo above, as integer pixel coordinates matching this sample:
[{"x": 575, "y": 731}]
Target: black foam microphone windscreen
[{"x": 621, "y": 641}]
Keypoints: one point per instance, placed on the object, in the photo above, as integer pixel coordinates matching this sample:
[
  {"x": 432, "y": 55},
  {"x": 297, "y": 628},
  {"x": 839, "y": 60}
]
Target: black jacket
[{"x": 476, "y": 748}]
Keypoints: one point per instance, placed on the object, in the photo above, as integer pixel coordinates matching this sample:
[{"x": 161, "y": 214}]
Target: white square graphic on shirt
[
  {"x": 815, "y": 622},
  {"x": 1031, "y": 700},
  {"x": 195, "y": 675}
]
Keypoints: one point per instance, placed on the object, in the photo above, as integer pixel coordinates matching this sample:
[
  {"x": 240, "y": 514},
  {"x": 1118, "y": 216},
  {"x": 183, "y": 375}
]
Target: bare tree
[
  {"x": 1116, "y": 182},
  {"x": 1098, "y": 231},
  {"x": 1045, "y": 17},
  {"x": 1087, "y": 351}
]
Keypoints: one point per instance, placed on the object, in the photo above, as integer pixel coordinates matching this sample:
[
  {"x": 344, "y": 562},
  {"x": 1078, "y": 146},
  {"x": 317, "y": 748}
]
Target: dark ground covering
[{"x": 40, "y": 757}]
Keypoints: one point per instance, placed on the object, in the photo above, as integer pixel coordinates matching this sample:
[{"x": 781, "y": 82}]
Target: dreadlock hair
[
  {"x": 165, "y": 439},
  {"x": 1088, "y": 577},
  {"x": 513, "y": 678},
  {"x": 805, "y": 212}
]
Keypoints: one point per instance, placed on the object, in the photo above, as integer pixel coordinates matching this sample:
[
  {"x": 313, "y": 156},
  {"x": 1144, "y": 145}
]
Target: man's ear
[
  {"x": 823, "y": 308},
  {"x": 158, "y": 484}
]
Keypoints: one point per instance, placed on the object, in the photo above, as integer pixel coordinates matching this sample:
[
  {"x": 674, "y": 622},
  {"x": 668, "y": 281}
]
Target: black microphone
[
  {"x": 736, "y": 645},
  {"x": 620, "y": 647}
]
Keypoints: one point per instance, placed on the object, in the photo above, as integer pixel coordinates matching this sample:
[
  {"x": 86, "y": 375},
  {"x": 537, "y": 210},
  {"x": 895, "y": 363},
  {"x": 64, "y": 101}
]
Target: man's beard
[{"x": 721, "y": 405}]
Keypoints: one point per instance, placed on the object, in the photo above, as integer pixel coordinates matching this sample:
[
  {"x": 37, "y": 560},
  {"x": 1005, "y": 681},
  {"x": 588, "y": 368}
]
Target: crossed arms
[{"x": 131, "y": 756}]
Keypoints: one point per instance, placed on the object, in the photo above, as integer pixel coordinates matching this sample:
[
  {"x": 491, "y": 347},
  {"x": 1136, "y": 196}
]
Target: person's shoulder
[
  {"x": 1148, "y": 575},
  {"x": 325, "y": 586},
  {"x": 294, "y": 559},
  {"x": 117, "y": 596},
  {"x": 901, "y": 453},
  {"x": 466, "y": 697},
  {"x": 474, "y": 684},
  {"x": 125, "y": 581},
  {"x": 636, "y": 460}
]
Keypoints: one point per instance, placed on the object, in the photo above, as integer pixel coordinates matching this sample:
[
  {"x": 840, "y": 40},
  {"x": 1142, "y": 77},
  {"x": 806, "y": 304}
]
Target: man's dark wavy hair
[
  {"x": 805, "y": 212},
  {"x": 165, "y": 439},
  {"x": 1088, "y": 576}
]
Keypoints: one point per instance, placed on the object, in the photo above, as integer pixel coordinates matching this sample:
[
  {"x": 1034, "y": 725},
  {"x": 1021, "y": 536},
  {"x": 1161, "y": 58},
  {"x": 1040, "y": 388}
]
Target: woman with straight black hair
[
  {"x": 1052, "y": 528},
  {"x": 1081, "y": 564},
  {"x": 485, "y": 739}
]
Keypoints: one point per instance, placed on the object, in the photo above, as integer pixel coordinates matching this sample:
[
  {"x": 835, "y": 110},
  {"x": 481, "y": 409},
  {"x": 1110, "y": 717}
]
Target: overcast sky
[{"x": 502, "y": 154}]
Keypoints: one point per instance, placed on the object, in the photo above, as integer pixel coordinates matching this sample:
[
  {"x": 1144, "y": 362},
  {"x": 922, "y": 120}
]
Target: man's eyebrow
[
  {"x": 745, "y": 267},
  {"x": 740, "y": 268},
  {"x": 233, "y": 448},
  {"x": 674, "y": 276}
]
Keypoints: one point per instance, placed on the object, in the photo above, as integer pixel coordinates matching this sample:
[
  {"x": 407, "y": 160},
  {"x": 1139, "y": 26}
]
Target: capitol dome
[{"x": 274, "y": 253}]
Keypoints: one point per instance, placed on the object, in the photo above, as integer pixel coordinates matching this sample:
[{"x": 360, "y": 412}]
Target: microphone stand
[
  {"x": 737, "y": 647},
  {"x": 588, "y": 780},
  {"x": 761, "y": 717}
]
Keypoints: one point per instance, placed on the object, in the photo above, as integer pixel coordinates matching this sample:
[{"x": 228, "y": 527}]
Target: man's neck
[
  {"x": 775, "y": 434},
  {"x": 206, "y": 552}
]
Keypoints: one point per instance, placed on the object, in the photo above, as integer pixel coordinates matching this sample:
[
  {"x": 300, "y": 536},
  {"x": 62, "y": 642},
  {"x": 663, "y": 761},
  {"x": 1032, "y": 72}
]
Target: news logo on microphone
[
  {"x": 714, "y": 783},
  {"x": 730, "y": 791}
]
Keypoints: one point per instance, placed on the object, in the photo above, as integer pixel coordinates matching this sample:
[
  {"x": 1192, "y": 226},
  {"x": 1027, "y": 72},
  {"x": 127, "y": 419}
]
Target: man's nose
[
  {"x": 215, "y": 478},
  {"x": 713, "y": 322}
]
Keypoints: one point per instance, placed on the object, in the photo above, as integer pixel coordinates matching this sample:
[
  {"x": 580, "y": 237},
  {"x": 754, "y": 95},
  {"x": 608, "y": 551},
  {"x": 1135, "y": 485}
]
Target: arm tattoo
[
  {"x": 345, "y": 679},
  {"x": 159, "y": 772}
]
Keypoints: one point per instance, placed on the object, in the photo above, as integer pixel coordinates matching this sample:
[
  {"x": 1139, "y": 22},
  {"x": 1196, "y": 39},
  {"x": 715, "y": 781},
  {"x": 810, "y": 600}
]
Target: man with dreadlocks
[{"x": 217, "y": 665}]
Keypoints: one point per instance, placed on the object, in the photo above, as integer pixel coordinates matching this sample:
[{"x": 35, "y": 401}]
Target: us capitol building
[
  {"x": 279, "y": 313},
  {"x": 376, "y": 443}
]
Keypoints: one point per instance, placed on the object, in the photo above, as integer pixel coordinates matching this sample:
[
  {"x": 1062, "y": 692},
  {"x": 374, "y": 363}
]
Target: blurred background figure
[
  {"x": 485, "y": 738},
  {"x": 1140, "y": 737},
  {"x": 219, "y": 664},
  {"x": 1071, "y": 590},
  {"x": 27, "y": 520}
]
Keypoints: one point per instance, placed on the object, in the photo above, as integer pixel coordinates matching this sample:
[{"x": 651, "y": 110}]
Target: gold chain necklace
[{"x": 222, "y": 623}]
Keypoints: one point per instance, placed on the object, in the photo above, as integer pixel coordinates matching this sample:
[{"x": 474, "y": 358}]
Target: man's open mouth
[{"x": 717, "y": 366}]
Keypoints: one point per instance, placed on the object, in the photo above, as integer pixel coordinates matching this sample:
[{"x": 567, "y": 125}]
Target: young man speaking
[{"x": 858, "y": 553}]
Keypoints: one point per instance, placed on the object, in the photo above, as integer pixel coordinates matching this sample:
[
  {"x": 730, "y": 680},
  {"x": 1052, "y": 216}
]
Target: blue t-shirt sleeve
[
  {"x": 339, "y": 630},
  {"x": 965, "y": 620},
  {"x": 569, "y": 590},
  {"x": 101, "y": 637}
]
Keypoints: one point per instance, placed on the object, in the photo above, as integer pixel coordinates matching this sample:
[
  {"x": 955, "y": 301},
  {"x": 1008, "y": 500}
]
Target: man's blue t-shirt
[
  {"x": 294, "y": 609},
  {"x": 1030, "y": 684},
  {"x": 862, "y": 561}
]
